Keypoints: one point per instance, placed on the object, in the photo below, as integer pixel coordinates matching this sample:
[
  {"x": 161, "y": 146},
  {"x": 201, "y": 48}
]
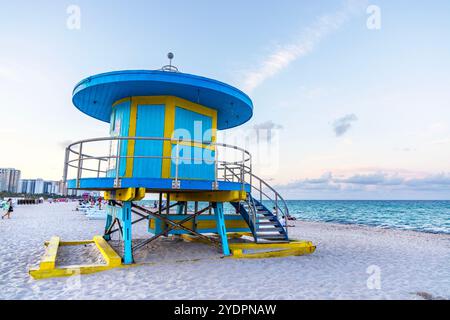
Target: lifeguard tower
[{"x": 163, "y": 141}]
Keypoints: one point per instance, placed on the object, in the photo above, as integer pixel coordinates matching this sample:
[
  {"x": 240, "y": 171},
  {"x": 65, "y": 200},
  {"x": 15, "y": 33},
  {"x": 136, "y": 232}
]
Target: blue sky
[{"x": 361, "y": 114}]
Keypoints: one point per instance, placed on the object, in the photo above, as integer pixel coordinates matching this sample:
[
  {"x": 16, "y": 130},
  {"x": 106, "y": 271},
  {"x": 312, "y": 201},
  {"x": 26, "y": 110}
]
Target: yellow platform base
[
  {"x": 249, "y": 250},
  {"x": 48, "y": 269},
  {"x": 271, "y": 250}
]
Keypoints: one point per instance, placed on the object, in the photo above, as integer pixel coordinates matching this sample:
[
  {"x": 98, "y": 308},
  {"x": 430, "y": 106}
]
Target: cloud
[
  {"x": 300, "y": 47},
  {"x": 373, "y": 182},
  {"x": 342, "y": 125},
  {"x": 372, "y": 179},
  {"x": 441, "y": 180},
  {"x": 267, "y": 125}
]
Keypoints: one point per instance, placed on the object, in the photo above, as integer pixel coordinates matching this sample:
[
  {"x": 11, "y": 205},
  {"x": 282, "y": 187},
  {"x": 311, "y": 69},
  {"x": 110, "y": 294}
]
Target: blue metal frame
[
  {"x": 181, "y": 216},
  {"x": 108, "y": 224},
  {"x": 127, "y": 237},
  {"x": 221, "y": 229},
  {"x": 154, "y": 183}
]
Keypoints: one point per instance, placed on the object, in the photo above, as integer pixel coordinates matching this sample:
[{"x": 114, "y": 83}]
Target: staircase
[
  {"x": 263, "y": 222},
  {"x": 268, "y": 226}
]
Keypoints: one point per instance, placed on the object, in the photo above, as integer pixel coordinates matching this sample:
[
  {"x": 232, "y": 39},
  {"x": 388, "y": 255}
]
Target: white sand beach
[{"x": 413, "y": 265}]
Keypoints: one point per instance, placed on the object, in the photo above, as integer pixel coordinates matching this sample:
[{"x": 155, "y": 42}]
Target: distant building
[
  {"x": 40, "y": 186},
  {"x": 9, "y": 179}
]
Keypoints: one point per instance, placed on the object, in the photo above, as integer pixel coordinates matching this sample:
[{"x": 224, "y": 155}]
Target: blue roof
[{"x": 95, "y": 95}]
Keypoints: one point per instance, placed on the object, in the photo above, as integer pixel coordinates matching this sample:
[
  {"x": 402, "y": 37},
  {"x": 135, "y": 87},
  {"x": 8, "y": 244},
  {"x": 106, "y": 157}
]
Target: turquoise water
[{"x": 424, "y": 216}]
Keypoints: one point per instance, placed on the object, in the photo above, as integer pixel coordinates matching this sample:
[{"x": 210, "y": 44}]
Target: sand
[{"x": 408, "y": 265}]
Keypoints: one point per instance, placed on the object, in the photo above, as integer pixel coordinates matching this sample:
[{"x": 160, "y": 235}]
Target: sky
[{"x": 357, "y": 92}]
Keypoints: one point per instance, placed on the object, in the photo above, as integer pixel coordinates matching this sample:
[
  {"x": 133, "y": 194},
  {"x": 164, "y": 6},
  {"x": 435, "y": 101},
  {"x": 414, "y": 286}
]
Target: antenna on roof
[{"x": 170, "y": 67}]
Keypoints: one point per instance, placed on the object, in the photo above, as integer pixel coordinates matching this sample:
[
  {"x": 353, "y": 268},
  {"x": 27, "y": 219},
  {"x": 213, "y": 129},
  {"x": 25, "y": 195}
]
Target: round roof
[{"x": 95, "y": 95}]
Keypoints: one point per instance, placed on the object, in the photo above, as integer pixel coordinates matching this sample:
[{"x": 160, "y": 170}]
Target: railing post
[
  {"x": 260, "y": 190},
  {"x": 242, "y": 171},
  {"x": 99, "y": 168},
  {"x": 66, "y": 168},
  {"x": 117, "y": 179},
  {"x": 251, "y": 172},
  {"x": 216, "y": 166},
  {"x": 286, "y": 220},
  {"x": 80, "y": 164},
  {"x": 276, "y": 204},
  {"x": 66, "y": 165},
  {"x": 177, "y": 148}
]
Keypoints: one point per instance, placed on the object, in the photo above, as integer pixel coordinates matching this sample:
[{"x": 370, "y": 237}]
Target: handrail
[
  {"x": 278, "y": 198},
  {"x": 283, "y": 207},
  {"x": 76, "y": 158},
  {"x": 240, "y": 170}
]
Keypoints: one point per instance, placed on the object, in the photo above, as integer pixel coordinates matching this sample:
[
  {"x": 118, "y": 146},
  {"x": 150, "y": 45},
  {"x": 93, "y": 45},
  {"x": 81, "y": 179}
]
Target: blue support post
[
  {"x": 107, "y": 237},
  {"x": 180, "y": 207},
  {"x": 127, "y": 237},
  {"x": 221, "y": 229}
]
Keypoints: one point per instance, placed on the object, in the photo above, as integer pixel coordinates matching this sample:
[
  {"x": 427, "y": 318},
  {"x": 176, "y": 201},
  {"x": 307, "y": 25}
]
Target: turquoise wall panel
[
  {"x": 194, "y": 163},
  {"x": 198, "y": 162},
  {"x": 120, "y": 123},
  {"x": 150, "y": 123},
  {"x": 198, "y": 126}
]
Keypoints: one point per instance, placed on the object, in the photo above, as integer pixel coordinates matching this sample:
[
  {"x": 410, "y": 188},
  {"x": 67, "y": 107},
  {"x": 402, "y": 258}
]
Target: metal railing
[
  {"x": 267, "y": 193},
  {"x": 263, "y": 191},
  {"x": 234, "y": 167},
  {"x": 101, "y": 165}
]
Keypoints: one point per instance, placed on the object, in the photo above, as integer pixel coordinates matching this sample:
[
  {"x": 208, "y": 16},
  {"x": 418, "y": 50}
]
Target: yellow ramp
[{"x": 271, "y": 250}]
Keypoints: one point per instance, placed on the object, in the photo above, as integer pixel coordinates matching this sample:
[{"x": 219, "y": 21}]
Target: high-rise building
[
  {"x": 40, "y": 186},
  {"x": 9, "y": 179}
]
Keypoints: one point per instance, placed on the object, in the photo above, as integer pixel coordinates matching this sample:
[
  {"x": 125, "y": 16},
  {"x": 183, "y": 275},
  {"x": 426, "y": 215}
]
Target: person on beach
[
  {"x": 283, "y": 221},
  {"x": 100, "y": 203},
  {"x": 9, "y": 209}
]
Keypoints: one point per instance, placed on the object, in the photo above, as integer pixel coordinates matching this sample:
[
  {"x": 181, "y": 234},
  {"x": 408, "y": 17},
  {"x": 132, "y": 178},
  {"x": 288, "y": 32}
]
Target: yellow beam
[
  {"x": 169, "y": 127},
  {"x": 282, "y": 245},
  {"x": 131, "y": 143},
  {"x": 208, "y": 224},
  {"x": 71, "y": 243},
  {"x": 129, "y": 194},
  {"x": 111, "y": 257},
  {"x": 68, "y": 271},
  {"x": 212, "y": 196},
  {"x": 238, "y": 254},
  {"x": 233, "y": 235},
  {"x": 49, "y": 259},
  {"x": 294, "y": 248},
  {"x": 48, "y": 269}
]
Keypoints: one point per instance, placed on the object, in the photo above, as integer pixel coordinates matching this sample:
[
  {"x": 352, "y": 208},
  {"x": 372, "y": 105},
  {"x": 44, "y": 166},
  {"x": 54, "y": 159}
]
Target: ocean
[
  {"x": 417, "y": 215},
  {"x": 424, "y": 216}
]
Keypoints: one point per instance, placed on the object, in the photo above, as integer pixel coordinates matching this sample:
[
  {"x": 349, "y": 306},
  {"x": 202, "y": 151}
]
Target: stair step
[
  {"x": 273, "y": 236},
  {"x": 264, "y": 215},
  {"x": 274, "y": 229},
  {"x": 266, "y": 218},
  {"x": 266, "y": 223},
  {"x": 270, "y": 232},
  {"x": 273, "y": 241}
]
